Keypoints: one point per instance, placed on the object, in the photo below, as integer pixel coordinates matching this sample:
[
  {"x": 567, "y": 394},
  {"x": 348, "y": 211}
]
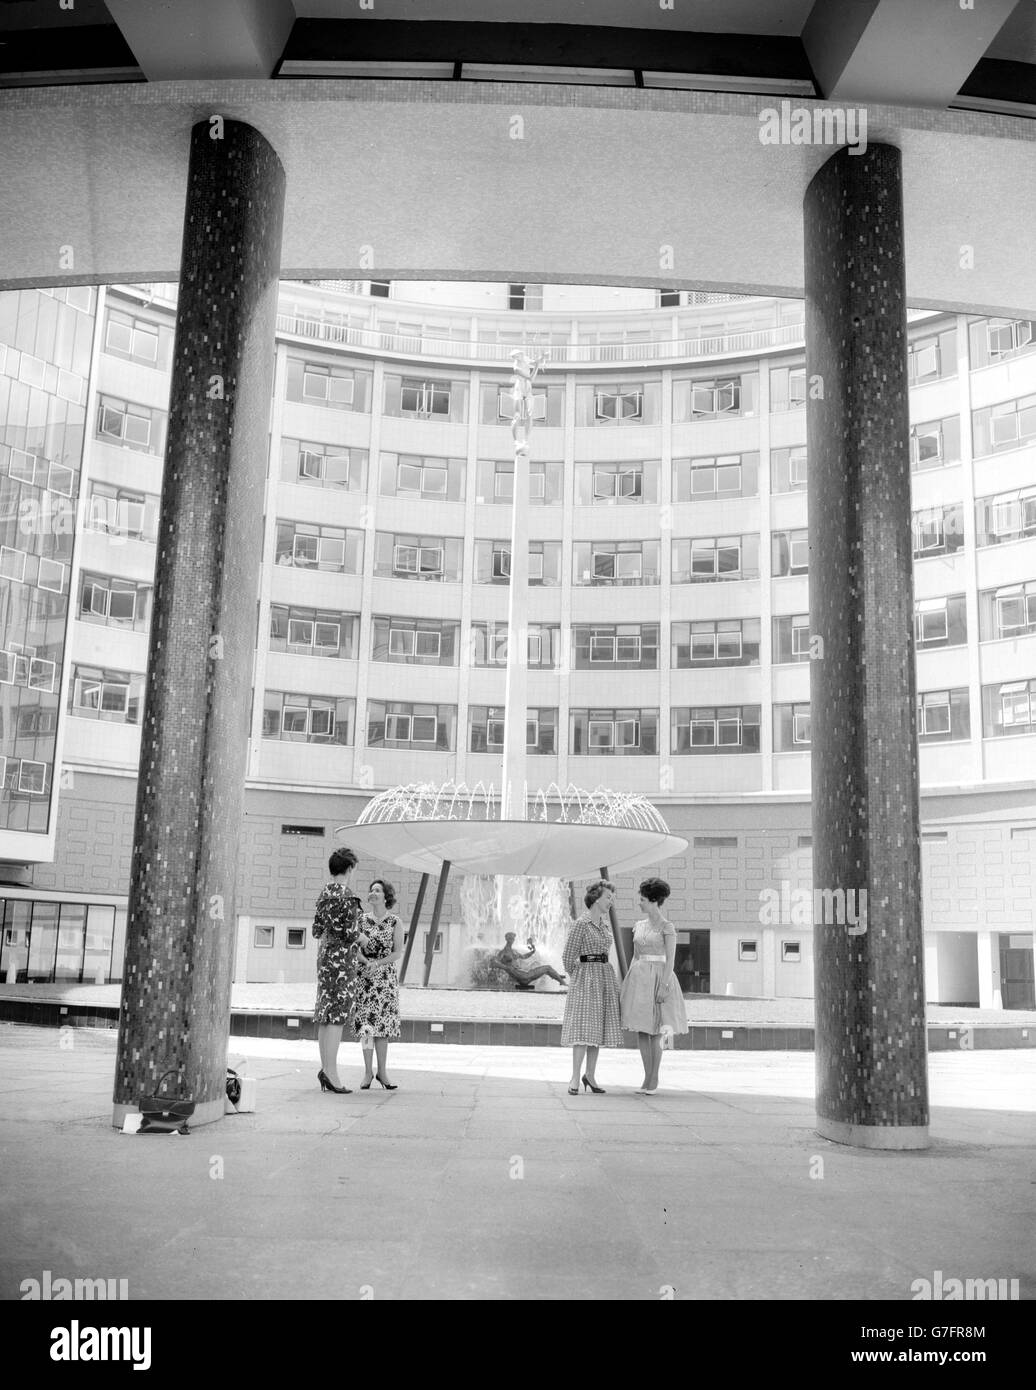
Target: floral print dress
[
  {"x": 336, "y": 925},
  {"x": 377, "y": 985}
]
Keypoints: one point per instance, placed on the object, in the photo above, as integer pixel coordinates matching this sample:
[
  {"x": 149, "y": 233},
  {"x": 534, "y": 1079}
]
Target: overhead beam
[
  {"x": 884, "y": 51},
  {"x": 196, "y": 39}
]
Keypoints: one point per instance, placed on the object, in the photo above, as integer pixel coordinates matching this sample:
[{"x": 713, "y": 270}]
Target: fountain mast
[{"x": 514, "y": 793}]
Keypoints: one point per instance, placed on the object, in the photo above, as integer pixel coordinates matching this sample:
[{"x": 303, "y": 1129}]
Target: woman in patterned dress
[
  {"x": 376, "y": 1016},
  {"x": 592, "y": 1003},
  {"x": 651, "y": 997},
  {"x": 336, "y": 925}
]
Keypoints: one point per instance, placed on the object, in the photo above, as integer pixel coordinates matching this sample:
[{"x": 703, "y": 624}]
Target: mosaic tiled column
[
  {"x": 175, "y": 1011},
  {"x": 871, "y": 1059}
]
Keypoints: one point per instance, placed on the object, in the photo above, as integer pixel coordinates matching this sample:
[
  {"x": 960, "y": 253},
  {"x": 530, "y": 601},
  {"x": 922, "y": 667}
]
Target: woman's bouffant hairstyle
[
  {"x": 342, "y": 861},
  {"x": 387, "y": 889},
  {"x": 656, "y": 890},
  {"x": 596, "y": 889}
]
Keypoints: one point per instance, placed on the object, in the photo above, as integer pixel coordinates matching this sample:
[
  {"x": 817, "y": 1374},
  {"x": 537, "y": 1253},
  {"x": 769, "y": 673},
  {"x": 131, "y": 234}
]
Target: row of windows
[
  {"x": 943, "y": 716},
  {"x": 700, "y": 559},
  {"x": 1007, "y": 611},
  {"x": 1009, "y": 709},
  {"x": 264, "y": 938}
]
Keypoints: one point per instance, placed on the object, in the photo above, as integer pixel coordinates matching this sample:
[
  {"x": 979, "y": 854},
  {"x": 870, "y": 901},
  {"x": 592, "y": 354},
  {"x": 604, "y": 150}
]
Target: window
[
  {"x": 618, "y": 405},
  {"x": 318, "y": 384},
  {"x": 931, "y": 623},
  {"x": 132, "y": 426},
  {"x": 716, "y": 476},
  {"x": 301, "y": 718},
  {"x": 434, "y": 479},
  {"x": 416, "y": 641},
  {"x": 111, "y": 696},
  {"x": 715, "y": 729},
  {"x": 669, "y": 299},
  {"x": 717, "y": 396},
  {"x": 404, "y": 725},
  {"x": 1004, "y": 426},
  {"x": 1008, "y": 516},
  {"x": 791, "y": 951},
  {"x": 614, "y": 732},
  {"x": 713, "y": 559},
  {"x": 787, "y": 388},
  {"x": 715, "y": 642},
  {"x": 307, "y": 546},
  {"x": 496, "y": 483},
  {"x": 114, "y": 602},
  {"x": 137, "y": 339},
  {"x": 790, "y": 552},
  {"x": 12, "y": 564},
  {"x": 437, "y": 947},
  {"x": 628, "y": 644},
  {"x": 615, "y": 562},
  {"x": 1008, "y": 612},
  {"x": 430, "y": 558},
  {"x": 32, "y": 777},
  {"x": 938, "y": 531},
  {"x": 935, "y": 444},
  {"x": 297, "y": 938},
  {"x": 312, "y": 631},
  {"x": 1009, "y": 709},
  {"x": 379, "y": 289},
  {"x": 489, "y": 645},
  {"x": 1004, "y": 336},
  {"x": 932, "y": 356},
  {"x": 942, "y": 716},
  {"x": 748, "y": 950},
  {"x": 323, "y": 465},
  {"x": 425, "y": 398},
  {"x": 525, "y": 296},
  {"x": 131, "y": 515},
  {"x": 264, "y": 937},
  {"x": 487, "y": 730}
]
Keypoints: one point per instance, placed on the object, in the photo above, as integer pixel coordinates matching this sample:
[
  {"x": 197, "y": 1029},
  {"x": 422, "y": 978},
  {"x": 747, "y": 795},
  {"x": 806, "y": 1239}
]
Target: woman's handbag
[{"x": 162, "y": 1112}]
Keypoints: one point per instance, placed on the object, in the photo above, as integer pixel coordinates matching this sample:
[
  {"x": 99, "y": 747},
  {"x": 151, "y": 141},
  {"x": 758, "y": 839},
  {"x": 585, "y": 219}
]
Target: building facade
[{"x": 669, "y": 643}]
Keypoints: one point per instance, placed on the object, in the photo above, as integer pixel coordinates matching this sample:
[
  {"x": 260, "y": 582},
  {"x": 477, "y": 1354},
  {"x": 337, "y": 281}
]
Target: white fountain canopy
[{"x": 570, "y": 833}]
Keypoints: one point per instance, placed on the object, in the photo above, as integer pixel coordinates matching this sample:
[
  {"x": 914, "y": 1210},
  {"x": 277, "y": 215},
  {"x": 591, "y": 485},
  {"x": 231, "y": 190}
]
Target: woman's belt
[
  {"x": 594, "y": 960},
  {"x": 650, "y": 957}
]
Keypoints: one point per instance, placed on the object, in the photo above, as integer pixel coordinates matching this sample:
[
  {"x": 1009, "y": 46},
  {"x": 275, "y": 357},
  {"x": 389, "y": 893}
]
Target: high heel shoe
[
  {"x": 589, "y": 1085},
  {"x": 388, "y": 1085},
  {"x": 573, "y": 1090},
  {"x": 326, "y": 1084},
  {"x": 366, "y": 1085}
]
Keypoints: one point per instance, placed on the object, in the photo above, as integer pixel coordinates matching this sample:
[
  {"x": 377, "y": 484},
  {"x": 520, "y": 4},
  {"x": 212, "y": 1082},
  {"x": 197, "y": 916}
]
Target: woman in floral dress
[
  {"x": 336, "y": 925},
  {"x": 652, "y": 1000},
  {"x": 376, "y": 1016},
  {"x": 592, "y": 1003}
]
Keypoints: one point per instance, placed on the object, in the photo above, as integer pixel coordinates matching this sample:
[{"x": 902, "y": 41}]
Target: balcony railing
[{"x": 377, "y": 341}]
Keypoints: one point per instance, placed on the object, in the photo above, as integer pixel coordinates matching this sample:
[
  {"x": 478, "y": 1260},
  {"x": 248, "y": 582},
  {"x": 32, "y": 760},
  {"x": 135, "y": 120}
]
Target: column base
[
  {"x": 205, "y": 1114},
  {"x": 874, "y": 1136}
]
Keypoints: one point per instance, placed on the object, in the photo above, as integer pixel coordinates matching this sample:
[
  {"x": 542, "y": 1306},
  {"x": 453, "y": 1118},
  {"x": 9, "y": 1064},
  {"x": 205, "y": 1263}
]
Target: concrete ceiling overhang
[
  {"x": 426, "y": 180},
  {"x": 901, "y": 52}
]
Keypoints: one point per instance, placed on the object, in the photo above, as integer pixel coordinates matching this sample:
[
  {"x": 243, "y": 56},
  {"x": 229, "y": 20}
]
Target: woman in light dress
[{"x": 651, "y": 999}]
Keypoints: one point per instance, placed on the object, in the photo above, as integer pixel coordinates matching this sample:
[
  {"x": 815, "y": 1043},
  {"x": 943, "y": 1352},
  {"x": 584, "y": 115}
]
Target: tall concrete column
[
  {"x": 871, "y": 1054},
  {"x": 175, "y": 1011}
]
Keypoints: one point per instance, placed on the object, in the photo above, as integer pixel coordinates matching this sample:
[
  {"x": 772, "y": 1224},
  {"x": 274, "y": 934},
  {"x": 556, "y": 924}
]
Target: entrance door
[
  {"x": 1017, "y": 984},
  {"x": 692, "y": 964}
]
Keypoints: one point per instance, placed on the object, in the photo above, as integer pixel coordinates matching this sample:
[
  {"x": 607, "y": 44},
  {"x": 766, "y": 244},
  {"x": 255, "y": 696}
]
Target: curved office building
[{"x": 669, "y": 642}]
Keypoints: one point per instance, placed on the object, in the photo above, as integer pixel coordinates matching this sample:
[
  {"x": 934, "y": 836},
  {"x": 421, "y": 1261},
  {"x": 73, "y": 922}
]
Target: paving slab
[{"x": 481, "y": 1179}]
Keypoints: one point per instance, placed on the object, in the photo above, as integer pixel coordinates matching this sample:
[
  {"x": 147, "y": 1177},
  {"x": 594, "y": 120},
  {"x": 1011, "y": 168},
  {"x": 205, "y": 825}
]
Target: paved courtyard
[{"x": 480, "y": 1178}]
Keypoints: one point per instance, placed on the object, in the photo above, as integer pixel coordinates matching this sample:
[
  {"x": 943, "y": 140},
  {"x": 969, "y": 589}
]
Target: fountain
[{"x": 528, "y": 846}]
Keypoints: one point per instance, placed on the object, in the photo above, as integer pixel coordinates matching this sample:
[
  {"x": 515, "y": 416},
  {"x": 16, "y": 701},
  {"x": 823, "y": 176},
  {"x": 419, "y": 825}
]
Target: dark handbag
[
  {"x": 162, "y": 1112},
  {"x": 233, "y": 1086}
]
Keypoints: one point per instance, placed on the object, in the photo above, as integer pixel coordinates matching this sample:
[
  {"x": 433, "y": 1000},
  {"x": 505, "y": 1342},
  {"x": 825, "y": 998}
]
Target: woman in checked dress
[
  {"x": 592, "y": 1003},
  {"x": 376, "y": 1015}
]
